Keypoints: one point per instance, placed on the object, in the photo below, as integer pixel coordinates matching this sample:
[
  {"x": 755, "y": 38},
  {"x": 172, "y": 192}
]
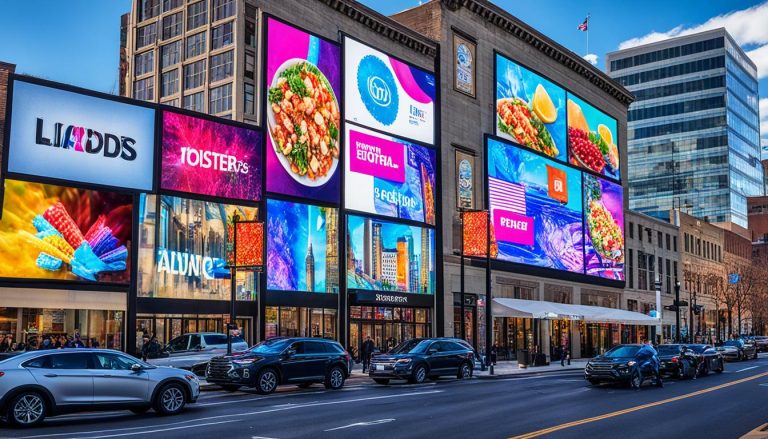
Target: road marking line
[
  {"x": 362, "y": 424},
  {"x": 163, "y": 429},
  {"x": 100, "y": 431},
  {"x": 748, "y": 368},
  {"x": 634, "y": 409}
]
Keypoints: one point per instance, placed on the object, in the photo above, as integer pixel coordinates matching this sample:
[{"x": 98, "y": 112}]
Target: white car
[{"x": 196, "y": 348}]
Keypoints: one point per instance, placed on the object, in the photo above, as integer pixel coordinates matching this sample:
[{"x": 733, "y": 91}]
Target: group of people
[
  {"x": 47, "y": 341},
  {"x": 150, "y": 347}
]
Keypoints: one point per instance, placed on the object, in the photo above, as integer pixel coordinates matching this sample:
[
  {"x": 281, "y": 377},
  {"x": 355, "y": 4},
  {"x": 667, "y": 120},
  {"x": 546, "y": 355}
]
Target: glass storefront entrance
[
  {"x": 169, "y": 326},
  {"x": 387, "y": 326},
  {"x": 296, "y": 321}
]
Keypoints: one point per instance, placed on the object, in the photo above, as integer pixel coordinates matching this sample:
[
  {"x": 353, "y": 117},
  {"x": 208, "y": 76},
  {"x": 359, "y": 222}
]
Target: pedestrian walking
[
  {"x": 145, "y": 347},
  {"x": 367, "y": 351},
  {"x": 565, "y": 355}
]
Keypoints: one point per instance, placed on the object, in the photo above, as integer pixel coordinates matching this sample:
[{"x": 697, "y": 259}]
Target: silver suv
[
  {"x": 37, "y": 384},
  {"x": 195, "y": 349}
]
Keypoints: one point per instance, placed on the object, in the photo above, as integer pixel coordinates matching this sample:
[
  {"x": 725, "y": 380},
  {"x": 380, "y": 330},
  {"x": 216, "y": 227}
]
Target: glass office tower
[{"x": 693, "y": 132}]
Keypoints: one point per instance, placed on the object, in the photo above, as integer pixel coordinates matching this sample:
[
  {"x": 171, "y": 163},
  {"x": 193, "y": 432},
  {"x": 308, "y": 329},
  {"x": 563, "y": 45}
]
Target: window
[
  {"x": 674, "y": 268},
  {"x": 648, "y": 232},
  {"x": 314, "y": 347},
  {"x": 249, "y": 100},
  {"x": 631, "y": 273},
  {"x": 195, "y": 45},
  {"x": 223, "y": 9},
  {"x": 221, "y": 66},
  {"x": 250, "y": 65},
  {"x": 297, "y": 347},
  {"x": 179, "y": 343},
  {"x": 39, "y": 363},
  {"x": 171, "y": 4},
  {"x": 197, "y": 14},
  {"x": 211, "y": 339},
  {"x": 195, "y": 342},
  {"x": 631, "y": 305},
  {"x": 146, "y": 35},
  {"x": 685, "y": 238},
  {"x": 669, "y": 277},
  {"x": 674, "y": 243},
  {"x": 70, "y": 361},
  {"x": 172, "y": 25},
  {"x": 172, "y": 102},
  {"x": 669, "y": 239},
  {"x": 221, "y": 99},
  {"x": 194, "y": 102},
  {"x": 170, "y": 54},
  {"x": 642, "y": 271},
  {"x": 194, "y": 75},
  {"x": 148, "y": 9},
  {"x": 221, "y": 35},
  {"x": 113, "y": 362},
  {"x": 170, "y": 83},
  {"x": 250, "y": 34},
  {"x": 659, "y": 239},
  {"x": 639, "y": 232},
  {"x": 661, "y": 273},
  {"x": 651, "y": 272},
  {"x": 144, "y": 89},
  {"x": 631, "y": 230},
  {"x": 145, "y": 62}
]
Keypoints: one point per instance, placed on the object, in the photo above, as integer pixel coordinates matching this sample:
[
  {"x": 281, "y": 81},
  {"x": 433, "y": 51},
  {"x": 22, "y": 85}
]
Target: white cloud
[
  {"x": 764, "y": 121},
  {"x": 592, "y": 58},
  {"x": 760, "y": 57}
]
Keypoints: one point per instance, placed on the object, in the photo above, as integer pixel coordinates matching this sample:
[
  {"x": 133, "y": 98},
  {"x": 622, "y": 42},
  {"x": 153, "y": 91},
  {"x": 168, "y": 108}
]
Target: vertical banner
[
  {"x": 464, "y": 65},
  {"x": 465, "y": 180}
]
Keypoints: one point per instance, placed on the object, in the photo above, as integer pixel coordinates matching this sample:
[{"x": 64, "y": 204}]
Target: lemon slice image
[
  {"x": 605, "y": 134},
  {"x": 543, "y": 106}
]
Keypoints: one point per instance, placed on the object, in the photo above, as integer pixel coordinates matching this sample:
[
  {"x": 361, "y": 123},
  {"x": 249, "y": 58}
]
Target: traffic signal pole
[{"x": 677, "y": 312}]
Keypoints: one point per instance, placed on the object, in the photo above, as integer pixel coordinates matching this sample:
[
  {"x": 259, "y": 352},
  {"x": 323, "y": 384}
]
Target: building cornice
[
  {"x": 385, "y": 26},
  {"x": 504, "y": 20}
]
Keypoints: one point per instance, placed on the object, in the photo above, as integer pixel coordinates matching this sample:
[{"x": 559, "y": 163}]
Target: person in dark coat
[{"x": 367, "y": 351}]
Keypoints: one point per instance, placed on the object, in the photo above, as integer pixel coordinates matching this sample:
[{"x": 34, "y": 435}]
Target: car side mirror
[
  {"x": 136, "y": 367},
  {"x": 290, "y": 352}
]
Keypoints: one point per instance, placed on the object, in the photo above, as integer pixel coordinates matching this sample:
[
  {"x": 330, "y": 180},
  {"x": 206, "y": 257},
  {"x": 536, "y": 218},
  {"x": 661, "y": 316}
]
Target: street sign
[{"x": 681, "y": 303}]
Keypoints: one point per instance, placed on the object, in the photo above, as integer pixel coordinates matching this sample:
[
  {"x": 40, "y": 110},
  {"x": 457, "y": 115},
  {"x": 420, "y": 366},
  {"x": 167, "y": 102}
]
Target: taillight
[
  {"x": 2, "y": 373},
  {"x": 675, "y": 359}
]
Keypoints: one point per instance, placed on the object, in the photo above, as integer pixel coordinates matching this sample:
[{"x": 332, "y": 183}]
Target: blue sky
[{"x": 77, "y": 41}]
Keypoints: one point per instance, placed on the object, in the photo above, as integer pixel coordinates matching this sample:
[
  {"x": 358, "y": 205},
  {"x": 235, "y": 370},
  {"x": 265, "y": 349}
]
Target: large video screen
[
  {"x": 536, "y": 208},
  {"x": 79, "y": 138},
  {"x": 183, "y": 249},
  {"x": 385, "y": 256},
  {"x": 603, "y": 228},
  {"x": 303, "y": 115},
  {"x": 203, "y": 157},
  {"x": 52, "y": 232},
  {"x": 530, "y": 109},
  {"x": 389, "y": 176},
  {"x": 592, "y": 136},
  {"x": 386, "y": 94},
  {"x": 302, "y": 247}
]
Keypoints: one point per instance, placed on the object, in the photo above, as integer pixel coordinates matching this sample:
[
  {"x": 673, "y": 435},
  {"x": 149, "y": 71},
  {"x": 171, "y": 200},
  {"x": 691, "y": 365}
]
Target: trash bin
[{"x": 522, "y": 358}]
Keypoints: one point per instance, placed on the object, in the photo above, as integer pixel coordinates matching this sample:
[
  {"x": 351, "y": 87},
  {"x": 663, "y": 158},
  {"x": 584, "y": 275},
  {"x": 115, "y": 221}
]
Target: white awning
[{"x": 539, "y": 309}]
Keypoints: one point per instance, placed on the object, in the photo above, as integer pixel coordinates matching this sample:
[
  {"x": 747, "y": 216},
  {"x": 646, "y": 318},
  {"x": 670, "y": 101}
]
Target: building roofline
[
  {"x": 652, "y": 219},
  {"x": 8, "y": 65},
  {"x": 385, "y": 26},
  {"x": 504, "y": 20}
]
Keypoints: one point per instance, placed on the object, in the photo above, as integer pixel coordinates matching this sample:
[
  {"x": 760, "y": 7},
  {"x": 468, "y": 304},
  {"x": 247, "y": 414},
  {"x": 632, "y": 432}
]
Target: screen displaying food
[
  {"x": 210, "y": 158},
  {"x": 592, "y": 138},
  {"x": 303, "y": 117},
  {"x": 302, "y": 247},
  {"x": 385, "y": 256},
  {"x": 530, "y": 110},
  {"x": 604, "y": 228},
  {"x": 54, "y": 232},
  {"x": 386, "y": 94},
  {"x": 536, "y": 209},
  {"x": 389, "y": 176}
]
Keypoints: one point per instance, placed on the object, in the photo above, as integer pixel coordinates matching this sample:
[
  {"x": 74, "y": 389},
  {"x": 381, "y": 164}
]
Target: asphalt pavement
[{"x": 557, "y": 404}]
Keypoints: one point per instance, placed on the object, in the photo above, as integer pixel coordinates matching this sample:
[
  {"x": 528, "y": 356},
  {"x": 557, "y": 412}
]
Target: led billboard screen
[
  {"x": 603, "y": 228},
  {"x": 593, "y": 138}
]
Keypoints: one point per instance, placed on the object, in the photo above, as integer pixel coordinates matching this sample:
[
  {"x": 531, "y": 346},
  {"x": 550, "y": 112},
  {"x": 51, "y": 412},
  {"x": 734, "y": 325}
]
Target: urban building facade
[{"x": 693, "y": 131}]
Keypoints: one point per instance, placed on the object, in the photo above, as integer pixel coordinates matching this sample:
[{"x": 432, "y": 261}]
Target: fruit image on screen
[
  {"x": 592, "y": 136},
  {"x": 604, "y": 228},
  {"x": 55, "y": 232}
]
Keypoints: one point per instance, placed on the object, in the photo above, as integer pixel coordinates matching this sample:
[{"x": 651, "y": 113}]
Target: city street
[{"x": 554, "y": 404}]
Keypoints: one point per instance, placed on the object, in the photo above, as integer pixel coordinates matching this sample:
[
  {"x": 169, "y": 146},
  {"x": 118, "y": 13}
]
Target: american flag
[
  {"x": 507, "y": 196},
  {"x": 584, "y": 26}
]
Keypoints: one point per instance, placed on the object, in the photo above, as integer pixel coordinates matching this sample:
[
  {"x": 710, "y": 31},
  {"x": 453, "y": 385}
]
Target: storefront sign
[
  {"x": 464, "y": 65},
  {"x": 74, "y": 137},
  {"x": 190, "y": 265},
  {"x": 390, "y": 298},
  {"x": 386, "y": 94}
]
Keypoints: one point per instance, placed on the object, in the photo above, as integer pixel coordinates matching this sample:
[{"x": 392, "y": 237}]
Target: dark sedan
[
  {"x": 678, "y": 361},
  {"x": 737, "y": 350},
  {"x": 420, "y": 358},
  {"x": 709, "y": 359}
]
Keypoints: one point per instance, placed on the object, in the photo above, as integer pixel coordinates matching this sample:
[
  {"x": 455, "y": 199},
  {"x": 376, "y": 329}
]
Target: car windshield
[
  {"x": 414, "y": 346},
  {"x": 271, "y": 346},
  {"x": 668, "y": 349},
  {"x": 734, "y": 343},
  {"x": 622, "y": 352}
]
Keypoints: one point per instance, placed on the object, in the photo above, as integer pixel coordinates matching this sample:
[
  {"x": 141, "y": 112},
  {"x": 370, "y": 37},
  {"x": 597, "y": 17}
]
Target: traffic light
[
  {"x": 671, "y": 308},
  {"x": 697, "y": 309}
]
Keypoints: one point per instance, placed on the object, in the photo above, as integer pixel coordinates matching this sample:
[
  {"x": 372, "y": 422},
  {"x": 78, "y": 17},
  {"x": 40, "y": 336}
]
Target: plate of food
[
  {"x": 524, "y": 124},
  {"x": 605, "y": 232},
  {"x": 304, "y": 122},
  {"x": 590, "y": 149}
]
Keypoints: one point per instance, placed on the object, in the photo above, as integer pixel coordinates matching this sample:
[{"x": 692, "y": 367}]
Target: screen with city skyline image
[
  {"x": 385, "y": 256},
  {"x": 536, "y": 208},
  {"x": 302, "y": 247}
]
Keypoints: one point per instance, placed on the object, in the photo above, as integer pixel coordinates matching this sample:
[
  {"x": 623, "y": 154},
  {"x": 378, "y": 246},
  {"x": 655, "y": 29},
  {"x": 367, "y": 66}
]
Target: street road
[{"x": 560, "y": 405}]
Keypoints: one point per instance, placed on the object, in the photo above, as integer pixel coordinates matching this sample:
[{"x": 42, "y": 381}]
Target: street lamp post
[
  {"x": 677, "y": 311},
  {"x": 233, "y": 284}
]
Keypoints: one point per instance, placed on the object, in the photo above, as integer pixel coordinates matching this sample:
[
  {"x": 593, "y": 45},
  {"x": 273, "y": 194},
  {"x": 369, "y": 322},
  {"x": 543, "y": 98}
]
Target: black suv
[
  {"x": 614, "y": 366},
  {"x": 302, "y": 361},
  {"x": 420, "y": 358},
  {"x": 678, "y": 360}
]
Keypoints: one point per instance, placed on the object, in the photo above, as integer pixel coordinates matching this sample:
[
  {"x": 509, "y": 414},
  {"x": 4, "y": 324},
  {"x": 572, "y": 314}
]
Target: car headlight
[
  {"x": 245, "y": 361},
  {"x": 631, "y": 363},
  {"x": 403, "y": 361}
]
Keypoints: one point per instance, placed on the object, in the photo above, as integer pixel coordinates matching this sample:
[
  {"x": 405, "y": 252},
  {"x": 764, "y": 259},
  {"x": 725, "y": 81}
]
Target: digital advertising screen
[
  {"x": 52, "y": 232},
  {"x": 530, "y": 109},
  {"x": 536, "y": 209},
  {"x": 389, "y": 176},
  {"x": 385, "y": 256},
  {"x": 203, "y": 157},
  {"x": 302, "y": 247},
  {"x": 183, "y": 249},
  {"x": 79, "y": 138},
  {"x": 303, "y": 113},
  {"x": 386, "y": 94},
  {"x": 603, "y": 228},
  {"x": 592, "y": 136}
]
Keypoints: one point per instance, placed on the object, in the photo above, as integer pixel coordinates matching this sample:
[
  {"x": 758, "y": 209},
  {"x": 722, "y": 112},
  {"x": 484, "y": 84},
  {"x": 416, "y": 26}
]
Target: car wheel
[
  {"x": 266, "y": 382},
  {"x": 305, "y": 385},
  {"x": 465, "y": 372},
  {"x": 140, "y": 410},
  {"x": 383, "y": 381},
  {"x": 594, "y": 382},
  {"x": 636, "y": 380},
  {"x": 721, "y": 367},
  {"x": 27, "y": 409},
  {"x": 704, "y": 368},
  {"x": 230, "y": 387},
  {"x": 419, "y": 375},
  {"x": 335, "y": 379},
  {"x": 170, "y": 400}
]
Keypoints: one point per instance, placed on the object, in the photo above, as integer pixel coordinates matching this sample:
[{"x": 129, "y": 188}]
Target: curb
[{"x": 527, "y": 373}]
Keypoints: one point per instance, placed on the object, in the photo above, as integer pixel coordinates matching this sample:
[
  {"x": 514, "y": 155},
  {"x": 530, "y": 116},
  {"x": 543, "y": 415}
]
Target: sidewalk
[{"x": 511, "y": 368}]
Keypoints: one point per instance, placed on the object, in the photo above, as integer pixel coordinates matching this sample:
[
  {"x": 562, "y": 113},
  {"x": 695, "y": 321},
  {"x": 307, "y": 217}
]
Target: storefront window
[
  {"x": 28, "y": 327},
  {"x": 166, "y": 327},
  {"x": 300, "y": 322}
]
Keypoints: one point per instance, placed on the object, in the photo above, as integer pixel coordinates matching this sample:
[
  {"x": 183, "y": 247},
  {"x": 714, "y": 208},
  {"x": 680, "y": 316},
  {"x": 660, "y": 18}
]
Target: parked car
[
  {"x": 188, "y": 350},
  {"x": 709, "y": 359},
  {"x": 37, "y": 384},
  {"x": 677, "y": 360},
  {"x": 761, "y": 343},
  {"x": 302, "y": 361},
  {"x": 614, "y": 366},
  {"x": 737, "y": 350},
  {"x": 420, "y": 358}
]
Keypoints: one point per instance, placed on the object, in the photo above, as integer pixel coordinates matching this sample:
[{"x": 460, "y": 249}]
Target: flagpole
[{"x": 587, "y": 35}]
